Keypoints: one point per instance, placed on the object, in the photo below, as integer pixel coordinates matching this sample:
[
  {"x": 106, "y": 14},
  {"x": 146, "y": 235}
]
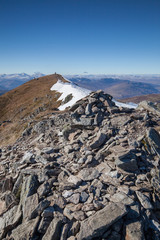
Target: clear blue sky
[{"x": 76, "y": 36}]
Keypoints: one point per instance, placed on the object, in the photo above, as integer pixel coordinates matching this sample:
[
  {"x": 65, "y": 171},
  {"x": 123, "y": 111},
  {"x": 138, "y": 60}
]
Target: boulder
[
  {"x": 127, "y": 162},
  {"x": 134, "y": 230},
  {"x": 54, "y": 230},
  {"x": 25, "y": 230},
  {"x": 149, "y": 106},
  {"x": 153, "y": 139},
  {"x": 98, "y": 223},
  {"x": 88, "y": 174},
  {"x": 29, "y": 205},
  {"x": 9, "y": 220},
  {"x": 144, "y": 200},
  {"x": 99, "y": 140}
]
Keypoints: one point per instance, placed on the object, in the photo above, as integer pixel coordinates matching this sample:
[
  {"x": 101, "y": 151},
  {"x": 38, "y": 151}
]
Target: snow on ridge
[
  {"x": 78, "y": 93},
  {"x": 69, "y": 88},
  {"x": 125, "y": 105}
]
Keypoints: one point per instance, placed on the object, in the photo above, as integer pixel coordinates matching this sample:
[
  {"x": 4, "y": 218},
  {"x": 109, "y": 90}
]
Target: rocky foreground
[{"x": 90, "y": 173}]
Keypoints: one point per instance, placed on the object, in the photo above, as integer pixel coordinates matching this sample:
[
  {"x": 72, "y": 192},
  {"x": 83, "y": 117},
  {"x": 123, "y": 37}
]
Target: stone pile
[{"x": 89, "y": 173}]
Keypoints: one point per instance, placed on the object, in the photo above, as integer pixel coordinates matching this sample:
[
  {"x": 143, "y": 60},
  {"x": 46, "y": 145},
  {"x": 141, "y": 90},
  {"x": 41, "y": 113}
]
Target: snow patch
[
  {"x": 69, "y": 88},
  {"x": 125, "y": 105},
  {"x": 66, "y": 88}
]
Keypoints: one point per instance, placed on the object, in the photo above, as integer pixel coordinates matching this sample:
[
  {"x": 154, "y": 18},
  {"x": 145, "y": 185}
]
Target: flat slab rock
[
  {"x": 134, "y": 230},
  {"x": 53, "y": 231},
  {"x": 9, "y": 220},
  {"x": 25, "y": 230},
  {"x": 154, "y": 139},
  {"x": 88, "y": 174},
  {"x": 98, "y": 223},
  {"x": 99, "y": 140},
  {"x": 127, "y": 162}
]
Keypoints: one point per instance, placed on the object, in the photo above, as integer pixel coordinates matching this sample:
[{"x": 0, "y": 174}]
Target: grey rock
[
  {"x": 74, "y": 179},
  {"x": 114, "y": 236},
  {"x": 9, "y": 220},
  {"x": 48, "y": 212},
  {"x": 121, "y": 197},
  {"x": 44, "y": 189},
  {"x": 76, "y": 105},
  {"x": 29, "y": 186},
  {"x": 153, "y": 138},
  {"x": 99, "y": 140},
  {"x": 67, "y": 193},
  {"x": 134, "y": 212},
  {"x": 79, "y": 215},
  {"x": 44, "y": 223},
  {"x": 144, "y": 200},
  {"x": 25, "y": 230},
  {"x": 17, "y": 186},
  {"x": 88, "y": 109},
  {"x": 47, "y": 150},
  {"x": 29, "y": 205},
  {"x": 74, "y": 229},
  {"x": 28, "y": 158},
  {"x": 99, "y": 223},
  {"x": 74, "y": 198},
  {"x": 64, "y": 232},
  {"x": 68, "y": 213},
  {"x": 7, "y": 184},
  {"x": 88, "y": 174},
  {"x": 39, "y": 209},
  {"x": 10, "y": 199},
  {"x": 127, "y": 162},
  {"x": 80, "y": 110},
  {"x": 149, "y": 106},
  {"x": 53, "y": 231},
  {"x": 83, "y": 121},
  {"x": 134, "y": 230},
  {"x": 83, "y": 197},
  {"x": 98, "y": 118},
  {"x": 41, "y": 159}
]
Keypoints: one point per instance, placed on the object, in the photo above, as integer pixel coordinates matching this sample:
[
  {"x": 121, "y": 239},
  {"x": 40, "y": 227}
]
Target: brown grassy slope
[
  {"x": 137, "y": 99},
  {"x": 19, "y": 104}
]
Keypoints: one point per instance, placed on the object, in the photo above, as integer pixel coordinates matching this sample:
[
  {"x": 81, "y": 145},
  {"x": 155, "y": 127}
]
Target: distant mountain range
[
  {"x": 11, "y": 81},
  {"x": 137, "y": 99},
  {"x": 119, "y": 86}
]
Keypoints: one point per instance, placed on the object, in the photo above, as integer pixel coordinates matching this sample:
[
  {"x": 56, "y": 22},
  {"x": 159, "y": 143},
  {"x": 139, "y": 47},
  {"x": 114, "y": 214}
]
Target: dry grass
[{"x": 20, "y": 103}]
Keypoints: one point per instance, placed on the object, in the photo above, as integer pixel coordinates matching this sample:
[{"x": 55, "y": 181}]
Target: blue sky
[{"x": 76, "y": 36}]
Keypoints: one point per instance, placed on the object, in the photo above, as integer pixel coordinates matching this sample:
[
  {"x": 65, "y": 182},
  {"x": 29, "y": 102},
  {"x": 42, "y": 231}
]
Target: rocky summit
[{"x": 91, "y": 172}]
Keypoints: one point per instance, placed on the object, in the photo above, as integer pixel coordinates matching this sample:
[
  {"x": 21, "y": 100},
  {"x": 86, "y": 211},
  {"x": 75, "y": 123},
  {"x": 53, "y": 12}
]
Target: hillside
[
  {"x": 22, "y": 105},
  {"x": 91, "y": 172}
]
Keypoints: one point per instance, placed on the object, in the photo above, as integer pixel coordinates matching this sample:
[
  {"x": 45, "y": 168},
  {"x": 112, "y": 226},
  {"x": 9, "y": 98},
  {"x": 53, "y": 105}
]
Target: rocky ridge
[{"x": 89, "y": 173}]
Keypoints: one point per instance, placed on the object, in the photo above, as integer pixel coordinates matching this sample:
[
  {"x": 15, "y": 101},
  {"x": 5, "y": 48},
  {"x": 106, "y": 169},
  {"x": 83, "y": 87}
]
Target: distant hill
[
  {"x": 118, "y": 88},
  {"x": 130, "y": 89},
  {"x": 2, "y": 91},
  {"x": 151, "y": 97},
  {"x": 10, "y": 81}
]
